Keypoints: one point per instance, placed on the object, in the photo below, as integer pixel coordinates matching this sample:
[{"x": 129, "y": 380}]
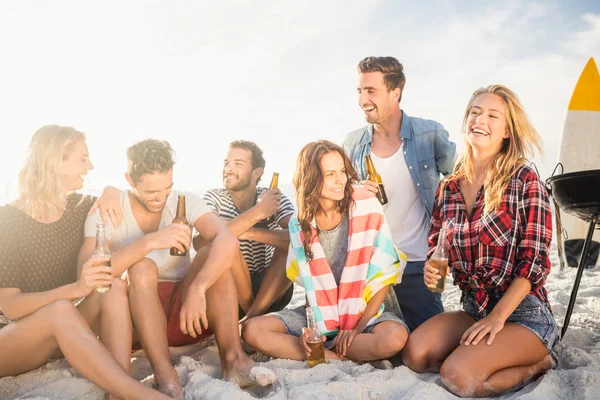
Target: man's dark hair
[
  {"x": 258, "y": 161},
  {"x": 149, "y": 156},
  {"x": 390, "y": 67}
]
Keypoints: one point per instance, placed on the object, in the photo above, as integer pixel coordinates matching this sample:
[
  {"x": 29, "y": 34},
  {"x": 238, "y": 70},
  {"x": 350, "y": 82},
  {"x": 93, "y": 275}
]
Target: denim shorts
[
  {"x": 531, "y": 313},
  {"x": 294, "y": 319}
]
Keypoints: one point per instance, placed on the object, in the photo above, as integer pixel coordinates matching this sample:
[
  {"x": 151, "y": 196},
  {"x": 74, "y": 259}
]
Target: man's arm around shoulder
[{"x": 241, "y": 225}]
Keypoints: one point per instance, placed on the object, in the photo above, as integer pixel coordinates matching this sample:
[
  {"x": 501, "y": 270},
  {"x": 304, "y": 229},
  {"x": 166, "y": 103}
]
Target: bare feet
[
  {"x": 167, "y": 383},
  {"x": 244, "y": 372},
  {"x": 332, "y": 355},
  {"x": 542, "y": 366},
  {"x": 171, "y": 390}
]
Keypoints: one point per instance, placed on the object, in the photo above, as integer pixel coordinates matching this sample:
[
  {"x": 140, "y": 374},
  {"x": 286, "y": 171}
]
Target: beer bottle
[
  {"x": 101, "y": 250},
  {"x": 274, "y": 185},
  {"x": 375, "y": 177},
  {"x": 180, "y": 218},
  {"x": 317, "y": 350},
  {"x": 439, "y": 258}
]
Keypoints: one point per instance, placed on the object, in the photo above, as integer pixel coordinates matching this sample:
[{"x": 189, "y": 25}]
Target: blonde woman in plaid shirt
[{"x": 504, "y": 336}]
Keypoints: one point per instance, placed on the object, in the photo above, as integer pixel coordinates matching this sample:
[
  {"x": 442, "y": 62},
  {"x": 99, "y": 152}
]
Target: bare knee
[
  {"x": 459, "y": 379},
  {"x": 251, "y": 330},
  {"x": 393, "y": 341},
  {"x": 416, "y": 356},
  {"x": 119, "y": 287},
  {"x": 60, "y": 310},
  {"x": 143, "y": 274},
  {"x": 118, "y": 292}
]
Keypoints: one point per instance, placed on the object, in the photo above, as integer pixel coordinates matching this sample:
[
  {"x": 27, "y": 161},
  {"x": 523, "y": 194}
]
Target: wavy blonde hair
[
  {"x": 308, "y": 181},
  {"x": 521, "y": 144},
  {"x": 40, "y": 191}
]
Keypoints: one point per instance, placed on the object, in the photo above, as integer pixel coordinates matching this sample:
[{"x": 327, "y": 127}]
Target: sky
[{"x": 201, "y": 74}]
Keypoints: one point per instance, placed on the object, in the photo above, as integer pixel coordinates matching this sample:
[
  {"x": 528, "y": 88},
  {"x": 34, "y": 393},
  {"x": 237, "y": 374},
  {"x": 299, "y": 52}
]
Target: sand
[{"x": 577, "y": 375}]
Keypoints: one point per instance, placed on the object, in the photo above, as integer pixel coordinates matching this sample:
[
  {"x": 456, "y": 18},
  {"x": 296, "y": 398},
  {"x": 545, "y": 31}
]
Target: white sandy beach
[{"x": 576, "y": 377}]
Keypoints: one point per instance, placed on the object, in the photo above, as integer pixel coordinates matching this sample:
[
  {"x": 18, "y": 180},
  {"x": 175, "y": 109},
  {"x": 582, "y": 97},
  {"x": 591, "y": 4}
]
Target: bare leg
[
  {"x": 29, "y": 342},
  {"x": 151, "y": 324},
  {"x": 273, "y": 286},
  {"x": 268, "y": 334},
  {"x": 109, "y": 317},
  {"x": 241, "y": 279},
  {"x": 222, "y": 315},
  {"x": 516, "y": 356},
  {"x": 434, "y": 340},
  {"x": 384, "y": 341}
]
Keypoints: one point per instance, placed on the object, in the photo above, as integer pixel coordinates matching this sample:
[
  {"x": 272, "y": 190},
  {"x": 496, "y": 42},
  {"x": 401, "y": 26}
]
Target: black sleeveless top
[{"x": 35, "y": 256}]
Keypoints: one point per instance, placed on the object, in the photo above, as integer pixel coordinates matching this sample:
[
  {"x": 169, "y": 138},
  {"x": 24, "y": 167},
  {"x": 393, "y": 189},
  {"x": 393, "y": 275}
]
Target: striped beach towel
[{"x": 372, "y": 263}]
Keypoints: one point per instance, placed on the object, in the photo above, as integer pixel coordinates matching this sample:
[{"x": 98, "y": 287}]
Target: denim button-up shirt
[{"x": 428, "y": 152}]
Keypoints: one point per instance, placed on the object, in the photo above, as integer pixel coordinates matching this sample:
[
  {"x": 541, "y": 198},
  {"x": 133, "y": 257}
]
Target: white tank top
[{"x": 405, "y": 211}]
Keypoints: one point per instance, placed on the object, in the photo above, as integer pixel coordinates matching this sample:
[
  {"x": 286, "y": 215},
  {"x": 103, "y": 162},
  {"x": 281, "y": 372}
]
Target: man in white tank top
[
  {"x": 174, "y": 300},
  {"x": 410, "y": 154}
]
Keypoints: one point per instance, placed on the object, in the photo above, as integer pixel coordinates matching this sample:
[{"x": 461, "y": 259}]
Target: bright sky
[{"x": 201, "y": 74}]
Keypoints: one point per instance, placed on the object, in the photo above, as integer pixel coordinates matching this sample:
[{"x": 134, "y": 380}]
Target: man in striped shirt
[{"x": 259, "y": 266}]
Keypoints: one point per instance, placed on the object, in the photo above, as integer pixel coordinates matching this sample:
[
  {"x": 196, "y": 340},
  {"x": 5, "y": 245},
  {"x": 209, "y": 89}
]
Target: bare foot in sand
[
  {"x": 332, "y": 355},
  {"x": 244, "y": 372},
  {"x": 171, "y": 390},
  {"x": 542, "y": 366},
  {"x": 167, "y": 382}
]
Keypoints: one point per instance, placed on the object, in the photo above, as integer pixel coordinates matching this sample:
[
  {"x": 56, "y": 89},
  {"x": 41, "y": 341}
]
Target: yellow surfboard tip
[{"x": 586, "y": 96}]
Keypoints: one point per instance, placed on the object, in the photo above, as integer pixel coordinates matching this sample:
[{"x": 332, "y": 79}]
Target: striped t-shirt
[{"x": 257, "y": 255}]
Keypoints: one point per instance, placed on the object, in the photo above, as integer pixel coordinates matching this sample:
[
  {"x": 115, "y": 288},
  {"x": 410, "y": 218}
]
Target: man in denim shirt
[{"x": 410, "y": 154}]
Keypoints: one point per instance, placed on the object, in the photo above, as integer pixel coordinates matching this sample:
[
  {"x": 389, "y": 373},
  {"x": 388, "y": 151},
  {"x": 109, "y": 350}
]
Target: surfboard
[{"x": 580, "y": 147}]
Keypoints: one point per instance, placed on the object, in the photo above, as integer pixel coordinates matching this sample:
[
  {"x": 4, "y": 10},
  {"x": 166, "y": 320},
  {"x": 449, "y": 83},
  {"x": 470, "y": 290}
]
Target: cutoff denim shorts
[
  {"x": 294, "y": 319},
  {"x": 531, "y": 313}
]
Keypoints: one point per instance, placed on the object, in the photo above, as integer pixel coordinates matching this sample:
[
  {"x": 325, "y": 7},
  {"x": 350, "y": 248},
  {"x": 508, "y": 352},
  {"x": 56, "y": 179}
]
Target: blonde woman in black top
[{"x": 46, "y": 310}]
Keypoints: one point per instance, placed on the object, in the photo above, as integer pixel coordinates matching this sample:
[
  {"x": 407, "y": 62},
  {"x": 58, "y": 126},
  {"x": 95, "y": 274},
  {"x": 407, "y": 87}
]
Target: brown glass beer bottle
[
  {"x": 274, "y": 184},
  {"x": 439, "y": 258},
  {"x": 180, "y": 218},
  {"x": 375, "y": 177},
  {"x": 317, "y": 350},
  {"x": 101, "y": 250}
]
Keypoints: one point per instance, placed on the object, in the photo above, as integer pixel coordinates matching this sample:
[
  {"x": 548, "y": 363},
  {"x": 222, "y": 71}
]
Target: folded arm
[{"x": 279, "y": 239}]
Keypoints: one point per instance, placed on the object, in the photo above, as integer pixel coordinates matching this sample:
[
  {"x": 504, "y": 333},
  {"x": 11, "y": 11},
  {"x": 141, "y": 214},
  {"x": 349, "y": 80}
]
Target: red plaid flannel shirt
[{"x": 494, "y": 248}]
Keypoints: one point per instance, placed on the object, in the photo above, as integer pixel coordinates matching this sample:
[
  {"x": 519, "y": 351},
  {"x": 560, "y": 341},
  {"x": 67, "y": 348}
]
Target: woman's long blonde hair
[
  {"x": 521, "y": 145},
  {"x": 41, "y": 194}
]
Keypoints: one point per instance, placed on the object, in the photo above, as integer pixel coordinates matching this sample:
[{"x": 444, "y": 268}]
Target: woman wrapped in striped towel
[{"x": 341, "y": 252}]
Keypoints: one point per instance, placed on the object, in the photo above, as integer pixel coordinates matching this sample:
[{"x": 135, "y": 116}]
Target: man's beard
[
  {"x": 240, "y": 185},
  {"x": 154, "y": 210},
  {"x": 147, "y": 208}
]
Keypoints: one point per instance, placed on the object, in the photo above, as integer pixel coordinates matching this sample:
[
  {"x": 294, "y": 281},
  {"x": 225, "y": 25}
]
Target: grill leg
[{"x": 584, "y": 251}]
